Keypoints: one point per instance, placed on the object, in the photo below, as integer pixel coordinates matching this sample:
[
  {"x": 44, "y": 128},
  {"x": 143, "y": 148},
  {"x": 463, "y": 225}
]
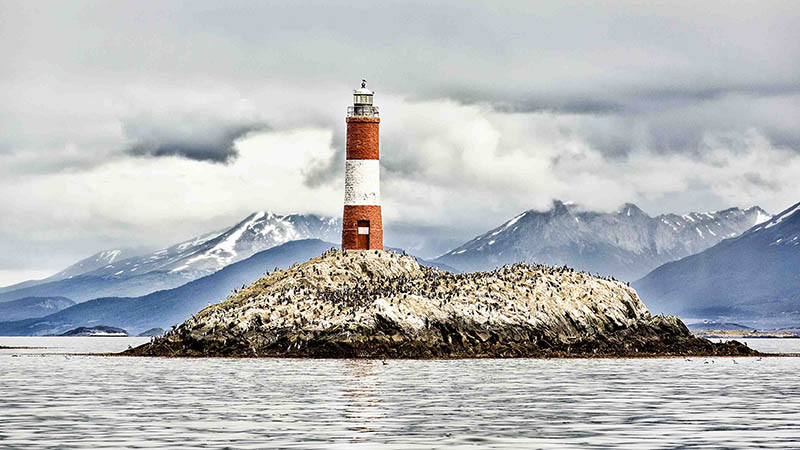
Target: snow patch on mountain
[
  {"x": 789, "y": 213},
  {"x": 94, "y": 262},
  {"x": 511, "y": 222},
  {"x": 762, "y": 217}
]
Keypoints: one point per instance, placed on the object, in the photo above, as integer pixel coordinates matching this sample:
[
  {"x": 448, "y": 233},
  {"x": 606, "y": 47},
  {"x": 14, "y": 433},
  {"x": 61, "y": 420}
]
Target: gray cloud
[
  {"x": 324, "y": 171},
  {"x": 192, "y": 140},
  {"x": 759, "y": 180}
]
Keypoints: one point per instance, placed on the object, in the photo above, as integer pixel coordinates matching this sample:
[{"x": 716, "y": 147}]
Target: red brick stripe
[
  {"x": 362, "y": 138},
  {"x": 354, "y": 213}
]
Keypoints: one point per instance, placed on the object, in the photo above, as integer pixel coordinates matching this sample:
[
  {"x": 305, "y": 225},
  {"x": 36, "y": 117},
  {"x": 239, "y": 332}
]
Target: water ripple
[{"x": 53, "y": 401}]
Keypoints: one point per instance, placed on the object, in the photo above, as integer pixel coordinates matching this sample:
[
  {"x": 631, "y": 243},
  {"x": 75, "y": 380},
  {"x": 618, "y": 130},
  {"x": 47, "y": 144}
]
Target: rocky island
[
  {"x": 380, "y": 304},
  {"x": 96, "y": 331}
]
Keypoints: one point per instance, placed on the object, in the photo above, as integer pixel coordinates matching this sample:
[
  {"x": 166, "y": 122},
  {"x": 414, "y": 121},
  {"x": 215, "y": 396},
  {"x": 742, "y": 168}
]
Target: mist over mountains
[{"x": 626, "y": 244}]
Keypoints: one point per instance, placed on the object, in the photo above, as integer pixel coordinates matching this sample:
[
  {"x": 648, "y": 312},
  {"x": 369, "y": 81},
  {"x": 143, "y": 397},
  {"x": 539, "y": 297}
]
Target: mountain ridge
[
  {"x": 754, "y": 276},
  {"x": 627, "y": 243},
  {"x": 180, "y": 263},
  {"x": 92, "y": 262},
  {"x": 32, "y": 307}
]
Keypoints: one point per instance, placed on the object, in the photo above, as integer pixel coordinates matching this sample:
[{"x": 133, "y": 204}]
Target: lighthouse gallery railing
[{"x": 362, "y": 110}]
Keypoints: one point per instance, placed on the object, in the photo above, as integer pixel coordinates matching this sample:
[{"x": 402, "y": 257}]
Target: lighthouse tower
[{"x": 361, "y": 222}]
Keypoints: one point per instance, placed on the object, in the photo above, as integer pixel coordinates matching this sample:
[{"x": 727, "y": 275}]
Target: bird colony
[{"x": 382, "y": 304}]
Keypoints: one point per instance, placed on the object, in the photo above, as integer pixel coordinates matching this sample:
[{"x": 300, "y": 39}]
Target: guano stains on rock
[{"x": 380, "y": 304}]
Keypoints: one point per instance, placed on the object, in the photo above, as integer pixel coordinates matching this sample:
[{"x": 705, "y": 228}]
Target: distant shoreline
[
  {"x": 746, "y": 334},
  {"x": 3, "y": 347}
]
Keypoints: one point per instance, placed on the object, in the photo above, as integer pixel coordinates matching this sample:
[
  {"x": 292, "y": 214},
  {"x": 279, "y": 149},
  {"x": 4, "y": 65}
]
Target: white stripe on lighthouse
[{"x": 362, "y": 182}]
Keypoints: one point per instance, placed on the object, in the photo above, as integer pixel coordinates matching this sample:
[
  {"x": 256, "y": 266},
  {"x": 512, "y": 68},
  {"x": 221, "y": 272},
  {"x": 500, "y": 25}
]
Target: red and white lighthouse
[{"x": 361, "y": 222}]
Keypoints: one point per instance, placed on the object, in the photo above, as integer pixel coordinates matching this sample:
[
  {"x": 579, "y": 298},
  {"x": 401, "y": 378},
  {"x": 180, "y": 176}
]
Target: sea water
[{"x": 52, "y": 399}]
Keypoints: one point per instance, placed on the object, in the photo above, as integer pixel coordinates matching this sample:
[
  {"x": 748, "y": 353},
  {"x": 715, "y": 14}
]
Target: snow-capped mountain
[
  {"x": 176, "y": 265},
  {"x": 93, "y": 262},
  {"x": 209, "y": 253},
  {"x": 626, "y": 244},
  {"x": 753, "y": 277}
]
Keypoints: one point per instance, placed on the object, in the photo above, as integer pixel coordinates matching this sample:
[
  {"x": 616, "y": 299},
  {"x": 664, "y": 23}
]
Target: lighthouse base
[{"x": 361, "y": 228}]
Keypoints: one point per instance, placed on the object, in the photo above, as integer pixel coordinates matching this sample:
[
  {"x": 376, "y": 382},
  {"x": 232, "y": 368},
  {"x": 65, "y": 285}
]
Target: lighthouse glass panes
[
  {"x": 362, "y": 99},
  {"x": 361, "y": 221}
]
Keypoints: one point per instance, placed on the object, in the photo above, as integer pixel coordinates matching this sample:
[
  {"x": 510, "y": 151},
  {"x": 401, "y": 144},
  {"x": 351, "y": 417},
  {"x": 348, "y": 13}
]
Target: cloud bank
[{"x": 155, "y": 121}]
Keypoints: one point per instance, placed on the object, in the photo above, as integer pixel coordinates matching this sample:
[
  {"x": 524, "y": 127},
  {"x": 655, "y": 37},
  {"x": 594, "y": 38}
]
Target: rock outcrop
[{"x": 378, "y": 304}]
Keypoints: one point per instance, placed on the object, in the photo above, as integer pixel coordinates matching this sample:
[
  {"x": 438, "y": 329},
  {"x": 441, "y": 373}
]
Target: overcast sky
[{"x": 148, "y": 122}]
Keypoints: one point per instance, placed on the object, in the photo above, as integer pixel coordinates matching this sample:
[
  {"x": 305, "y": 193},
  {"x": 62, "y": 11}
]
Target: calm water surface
[{"x": 52, "y": 400}]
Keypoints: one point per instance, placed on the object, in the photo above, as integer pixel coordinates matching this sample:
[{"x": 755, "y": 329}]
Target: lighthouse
[{"x": 361, "y": 221}]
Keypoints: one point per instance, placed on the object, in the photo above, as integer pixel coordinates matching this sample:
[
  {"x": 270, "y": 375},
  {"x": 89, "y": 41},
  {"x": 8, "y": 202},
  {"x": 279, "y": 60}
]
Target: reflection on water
[
  {"x": 360, "y": 396},
  {"x": 51, "y": 400}
]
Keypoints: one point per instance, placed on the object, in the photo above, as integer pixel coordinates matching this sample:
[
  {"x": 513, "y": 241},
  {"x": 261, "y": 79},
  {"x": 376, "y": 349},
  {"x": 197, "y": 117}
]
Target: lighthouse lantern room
[{"x": 361, "y": 221}]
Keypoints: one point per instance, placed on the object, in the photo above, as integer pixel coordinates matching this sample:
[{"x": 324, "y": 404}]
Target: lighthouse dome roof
[{"x": 362, "y": 91}]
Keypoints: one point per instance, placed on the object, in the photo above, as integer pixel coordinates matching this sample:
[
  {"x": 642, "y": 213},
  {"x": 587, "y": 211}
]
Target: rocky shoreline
[{"x": 379, "y": 304}]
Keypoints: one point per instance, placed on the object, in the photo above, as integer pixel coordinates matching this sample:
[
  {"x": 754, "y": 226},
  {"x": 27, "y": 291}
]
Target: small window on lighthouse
[{"x": 363, "y": 227}]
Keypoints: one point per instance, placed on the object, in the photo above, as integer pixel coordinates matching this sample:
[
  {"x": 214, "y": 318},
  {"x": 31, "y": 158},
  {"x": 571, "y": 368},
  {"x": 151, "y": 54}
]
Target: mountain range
[
  {"x": 754, "y": 277},
  {"x": 626, "y": 244},
  {"x": 125, "y": 273},
  {"x": 702, "y": 265}
]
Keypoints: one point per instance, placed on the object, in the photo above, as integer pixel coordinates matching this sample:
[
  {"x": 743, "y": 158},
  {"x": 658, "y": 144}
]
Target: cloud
[
  {"x": 466, "y": 161},
  {"x": 329, "y": 168},
  {"x": 198, "y": 121},
  {"x": 62, "y": 217},
  {"x": 156, "y": 115},
  {"x": 189, "y": 138}
]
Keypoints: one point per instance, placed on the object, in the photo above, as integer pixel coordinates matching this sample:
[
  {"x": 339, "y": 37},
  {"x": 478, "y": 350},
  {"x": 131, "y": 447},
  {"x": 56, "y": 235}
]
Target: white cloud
[
  {"x": 677, "y": 107},
  {"x": 469, "y": 160},
  {"x": 166, "y": 198}
]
